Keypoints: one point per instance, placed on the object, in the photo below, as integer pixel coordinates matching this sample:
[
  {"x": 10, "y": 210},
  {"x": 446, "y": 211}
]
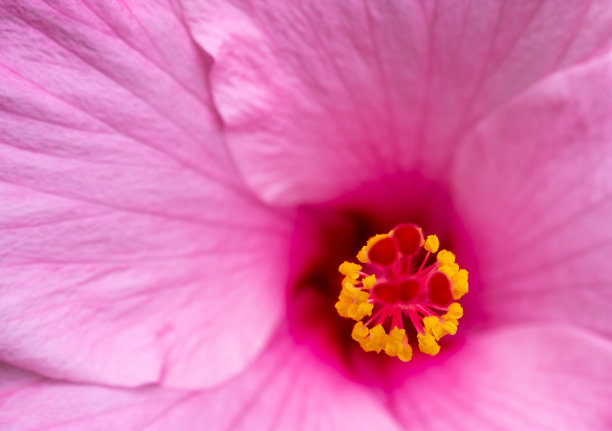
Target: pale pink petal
[
  {"x": 319, "y": 96},
  {"x": 129, "y": 251},
  {"x": 290, "y": 389},
  {"x": 286, "y": 389},
  {"x": 29, "y": 402},
  {"x": 534, "y": 185},
  {"x": 518, "y": 378}
]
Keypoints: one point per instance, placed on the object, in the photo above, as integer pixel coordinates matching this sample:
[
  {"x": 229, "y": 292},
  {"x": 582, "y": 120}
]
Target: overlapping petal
[
  {"x": 541, "y": 219},
  {"x": 525, "y": 377},
  {"x": 130, "y": 251},
  {"x": 285, "y": 389},
  {"x": 30, "y": 402},
  {"x": 319, "y": 96}
]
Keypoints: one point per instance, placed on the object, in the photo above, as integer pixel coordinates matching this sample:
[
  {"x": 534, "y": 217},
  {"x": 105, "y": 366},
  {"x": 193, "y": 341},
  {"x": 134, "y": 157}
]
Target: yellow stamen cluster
[
  {"x": 353, "y": 302},
  {"x": 457, "y": 276},
  {"x": 394, "y": 344},
  {"x": 437, "y": 327}
]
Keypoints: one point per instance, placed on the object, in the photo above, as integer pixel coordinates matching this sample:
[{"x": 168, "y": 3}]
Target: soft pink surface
[
  {"x": 520, "y": 378},
  {"x": 135, "y": 249},
  {"x": 319, "y": 96},
  {"x": 285, "y": 389},
  {"x": 123, "y": 222},
  {"x": 540, "y": 222}
]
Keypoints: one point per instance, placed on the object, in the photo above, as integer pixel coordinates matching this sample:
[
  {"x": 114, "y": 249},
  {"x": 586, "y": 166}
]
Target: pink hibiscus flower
[{"x": 181, "y": 179}]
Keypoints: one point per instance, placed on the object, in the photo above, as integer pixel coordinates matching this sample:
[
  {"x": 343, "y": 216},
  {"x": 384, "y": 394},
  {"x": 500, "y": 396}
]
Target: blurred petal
[
  {"x": 289, "y": 389},
  {"x": 286, "y": 389},
  {"x": 518, "y": 378},
  {"x": 129, "y": 251},
  {"x": 541, "y": 219},
  {"x": 319, "y": 96},
  {"x": 29, "y": 402}
]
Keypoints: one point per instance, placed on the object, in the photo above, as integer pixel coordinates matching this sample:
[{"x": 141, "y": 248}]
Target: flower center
[{"x": 398, "y": 291}]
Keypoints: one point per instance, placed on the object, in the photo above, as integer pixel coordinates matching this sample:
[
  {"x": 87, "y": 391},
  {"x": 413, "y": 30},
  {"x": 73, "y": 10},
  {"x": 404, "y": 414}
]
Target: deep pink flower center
[{"x": 330, "y": 233}]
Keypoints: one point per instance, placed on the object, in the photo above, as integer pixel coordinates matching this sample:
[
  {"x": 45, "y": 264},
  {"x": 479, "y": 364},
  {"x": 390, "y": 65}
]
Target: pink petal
[
  {"x": 30, "y": 403},
  {"x": 534, "y": 185},
  {"x": 520, "y": 378},
  {"x": 317, "y": 97},
  {"x": 287, "y": 389},
  {"x": 130, "y": 252}
]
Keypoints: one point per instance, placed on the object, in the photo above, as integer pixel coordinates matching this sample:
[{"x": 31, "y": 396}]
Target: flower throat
[{"x": 396, "y": 289}]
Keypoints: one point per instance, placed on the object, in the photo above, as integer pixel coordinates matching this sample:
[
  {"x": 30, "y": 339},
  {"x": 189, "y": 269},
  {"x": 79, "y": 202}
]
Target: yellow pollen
[
  {"x": 407, "y": 295},
  {"x": 398, "y": 345},
  {"x": 454, "y": 313},
  {"x": 369, "y": 281},
  {"x": 359, "y": 311},
  {"x": 360, "y": 332},
  {"x": 432, "y": 243},
  {"x": 348, "y": 283},
  {"x": 459, "y": 283},
  {"x": 428, "y": 344},
  {"x": 396, "y": 342},
  {"x": 455, "y": 310},
  {"x": 444, "y": 257},
  {"x": 350, "y": 270},
  {"x": 352, "y": 303},
  {"x": 377, "y": 340},
  {"x": 433, "y": 326},
  {"x": 405, "y": 354},
  {"x": 439, "y": 327},
  {"x": 450, "y": 269}
]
